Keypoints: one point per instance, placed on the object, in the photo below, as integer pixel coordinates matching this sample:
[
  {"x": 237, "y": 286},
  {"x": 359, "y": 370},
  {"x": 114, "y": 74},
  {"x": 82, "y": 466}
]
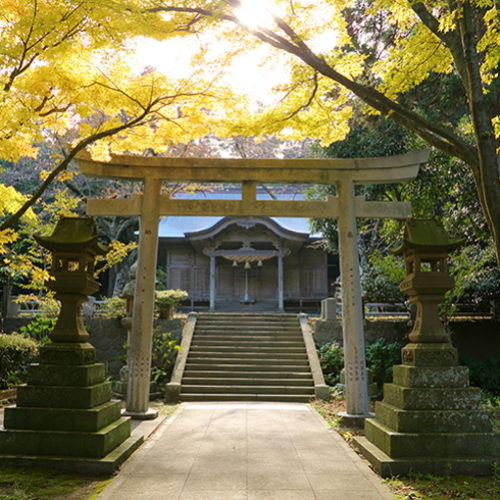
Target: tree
[
  {"x": 427, "y": 40},
  {"x": 65, "y": 79}
]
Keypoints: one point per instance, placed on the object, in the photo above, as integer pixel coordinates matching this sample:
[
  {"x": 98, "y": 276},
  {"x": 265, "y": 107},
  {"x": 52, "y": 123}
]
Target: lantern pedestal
[
  {"x": 65, "y": 417},
  {"x": 430, "y": 421}
]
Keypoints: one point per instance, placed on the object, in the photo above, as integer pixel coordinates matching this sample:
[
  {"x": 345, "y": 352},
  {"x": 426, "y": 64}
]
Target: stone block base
[
  {"x": 436, "y": 444},
  {"x": 64, "y": 396},
  {"x": 438, "y": 420},
  {"x": 63, "y": 419},
  {"x": 65, "y": 411},
  {"x": 104, "y": 466},
  {"x": 387, "y": 466},
  {"x": 65, "y": 443}
]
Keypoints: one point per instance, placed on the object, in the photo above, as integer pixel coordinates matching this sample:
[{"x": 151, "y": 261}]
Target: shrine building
[{"x": 238, "y": 264}]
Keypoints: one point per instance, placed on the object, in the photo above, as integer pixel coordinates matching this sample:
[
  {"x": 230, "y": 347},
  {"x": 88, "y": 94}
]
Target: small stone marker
[{"x": 329, "y": 309}]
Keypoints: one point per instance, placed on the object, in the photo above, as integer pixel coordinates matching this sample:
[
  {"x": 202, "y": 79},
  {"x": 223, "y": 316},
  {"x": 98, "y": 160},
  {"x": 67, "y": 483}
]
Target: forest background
[{"x": 390, "y": 78}]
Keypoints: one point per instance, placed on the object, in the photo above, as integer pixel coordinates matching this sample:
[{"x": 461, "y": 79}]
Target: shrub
[
  {"x": 16, "y": 353},
  {"x": 167, "y": 300},
  {"x": 163, "y": 357},
  {"x": 331, "y": 358},
  {"x": 39, "y": 328},
  {"x": 170, "y": 297},
  {"x": 113, "y": 307},
  {"x": 485, "y": 374},
  {"x": 380, "y": 357}
]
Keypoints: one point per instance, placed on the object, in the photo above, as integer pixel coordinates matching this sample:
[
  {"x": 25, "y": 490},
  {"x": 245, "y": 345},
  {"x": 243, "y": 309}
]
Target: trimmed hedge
[{"x": 16, "y": 353}]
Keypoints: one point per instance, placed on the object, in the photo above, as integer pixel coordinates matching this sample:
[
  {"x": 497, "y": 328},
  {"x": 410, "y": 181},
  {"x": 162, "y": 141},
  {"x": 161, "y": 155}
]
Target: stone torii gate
[{"x": 345, "y": 207}]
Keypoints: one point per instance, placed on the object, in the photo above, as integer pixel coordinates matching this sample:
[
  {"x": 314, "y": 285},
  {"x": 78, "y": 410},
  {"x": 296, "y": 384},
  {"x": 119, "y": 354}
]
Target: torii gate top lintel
[{"x": 309, "y": 171}]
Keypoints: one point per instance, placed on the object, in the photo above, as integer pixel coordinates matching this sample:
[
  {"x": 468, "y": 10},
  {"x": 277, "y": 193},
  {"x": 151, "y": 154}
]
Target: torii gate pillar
[
  {"x": 356, "y": 388},
  {"x": 141, "y": 338}
]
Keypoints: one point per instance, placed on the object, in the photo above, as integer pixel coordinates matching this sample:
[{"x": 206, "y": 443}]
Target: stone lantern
[
  {"x": 64, "y": 416},
  {"x": 74, "y": 248},
  {"x": 430, "y": 420},
  {"x": 425, "y": 249}
]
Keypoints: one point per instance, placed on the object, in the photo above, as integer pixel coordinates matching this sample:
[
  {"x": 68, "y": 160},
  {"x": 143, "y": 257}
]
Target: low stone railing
[
  {"x": 321, "y": 390},
  {"x": 173, "y": 388}
]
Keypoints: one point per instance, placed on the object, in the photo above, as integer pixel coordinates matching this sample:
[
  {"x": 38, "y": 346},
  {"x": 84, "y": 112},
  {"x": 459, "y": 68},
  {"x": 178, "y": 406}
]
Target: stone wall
[
  {"x": 108, "y": 336},
  {"x": 473, "y": 339}
]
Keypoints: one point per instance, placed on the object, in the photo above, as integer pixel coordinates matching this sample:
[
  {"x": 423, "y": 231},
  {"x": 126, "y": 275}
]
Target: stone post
[
  {"x": 329, "y": 309},
  {"x": 281, "y": 294}
]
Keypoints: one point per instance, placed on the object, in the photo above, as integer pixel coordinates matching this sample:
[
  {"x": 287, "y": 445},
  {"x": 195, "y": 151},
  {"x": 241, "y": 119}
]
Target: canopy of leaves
[{"x": 379, "y": 50}]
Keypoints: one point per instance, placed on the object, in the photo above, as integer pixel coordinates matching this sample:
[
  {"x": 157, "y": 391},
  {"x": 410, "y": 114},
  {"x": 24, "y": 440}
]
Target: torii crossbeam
[{"x": 345, "y": 207}]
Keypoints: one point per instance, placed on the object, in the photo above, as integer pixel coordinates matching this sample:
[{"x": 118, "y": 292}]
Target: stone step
[
  {"x": 246, "y": 389},
  {"x": 249, "y": 365},
  {"x": 254, "y": 381},
  {"x": 252, "y": 359},
  {"x": 254, "y": 330},
  {"x": 244, "y": 341},
  {"x": 268, "y": 326},
  {"x": 223, "y": 374},
  {"x": 243, "y": 316},
  {"x": 249, "y": 338},
  {"x": 209, "y": 351},
  {"x": 247, "y": 357},
  {"x": 433, "y": 420},
  {"x": 268, "y": 322},
  {"x": 282, "y": 398},
  {"x": 435, "y": 444}
]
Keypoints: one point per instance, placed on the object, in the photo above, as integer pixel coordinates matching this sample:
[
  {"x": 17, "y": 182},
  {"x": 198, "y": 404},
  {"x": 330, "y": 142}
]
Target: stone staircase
[{"x": 247, "y": 357}]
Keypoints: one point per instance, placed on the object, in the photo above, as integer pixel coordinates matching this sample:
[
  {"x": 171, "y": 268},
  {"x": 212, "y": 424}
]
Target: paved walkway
[{"x": 245, "y": 451}]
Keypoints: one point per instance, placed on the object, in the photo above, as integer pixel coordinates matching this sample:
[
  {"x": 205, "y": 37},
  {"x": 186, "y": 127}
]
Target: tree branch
[{"x": 63, "y": 165}]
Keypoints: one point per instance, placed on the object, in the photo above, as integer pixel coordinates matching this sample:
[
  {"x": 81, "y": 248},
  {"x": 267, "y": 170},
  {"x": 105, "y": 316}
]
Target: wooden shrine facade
[{"x": 258, "y": 265}]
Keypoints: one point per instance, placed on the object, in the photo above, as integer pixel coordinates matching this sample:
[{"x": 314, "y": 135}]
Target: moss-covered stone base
[
  {"x": 445, "y": 466},
  {"x": 430, "y": 420},
  {"x": 104, "y": 466},
  {"x": 65, "y": 410}
]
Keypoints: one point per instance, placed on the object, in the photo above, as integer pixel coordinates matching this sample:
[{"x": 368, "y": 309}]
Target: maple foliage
[
  {"x": 427, "y": 39},
  {"x": 65, "y": 75}
]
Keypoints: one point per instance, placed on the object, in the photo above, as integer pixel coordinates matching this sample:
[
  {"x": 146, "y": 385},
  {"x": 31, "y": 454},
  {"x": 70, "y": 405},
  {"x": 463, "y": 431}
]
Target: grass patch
[
  {"x": 421, "y": 486},
  {"x": 32, "y": 484}
]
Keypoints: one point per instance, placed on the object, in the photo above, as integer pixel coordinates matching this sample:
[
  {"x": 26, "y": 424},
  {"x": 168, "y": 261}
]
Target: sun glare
[{"x": 256, "y": 13}]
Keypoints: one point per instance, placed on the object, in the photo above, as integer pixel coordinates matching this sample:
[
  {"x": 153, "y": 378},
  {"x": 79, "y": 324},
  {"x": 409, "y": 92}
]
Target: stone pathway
[{"x": 245, "y": 451}]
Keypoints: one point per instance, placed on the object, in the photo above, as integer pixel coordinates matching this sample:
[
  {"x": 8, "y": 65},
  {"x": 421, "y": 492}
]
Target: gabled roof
[{"x": 272, "y": 225}]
